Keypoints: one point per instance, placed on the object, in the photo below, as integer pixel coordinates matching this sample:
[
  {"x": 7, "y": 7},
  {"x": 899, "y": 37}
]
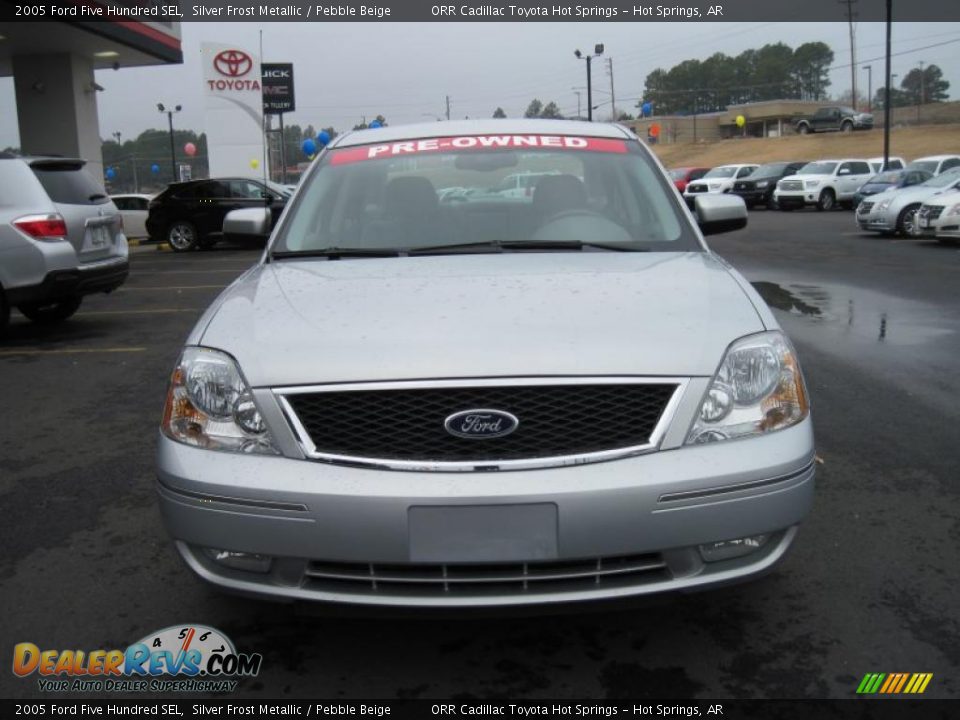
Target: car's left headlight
[
  {"x": 757, "y": 389},
  {"x": 812, "y": 183},
  {"x": 955, "y": 210},
  {"x": 884, "y": 204},
  {"x": 209, "y": 405}
]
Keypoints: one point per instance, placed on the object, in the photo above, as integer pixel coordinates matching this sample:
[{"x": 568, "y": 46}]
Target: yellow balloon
[
  {"x": 254, "y": 163},
  {"x": 741, "y": 121}
]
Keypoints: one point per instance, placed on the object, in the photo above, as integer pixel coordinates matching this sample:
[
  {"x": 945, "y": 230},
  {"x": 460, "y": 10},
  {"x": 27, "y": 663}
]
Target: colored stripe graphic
[{"x": 894, "y": 683}]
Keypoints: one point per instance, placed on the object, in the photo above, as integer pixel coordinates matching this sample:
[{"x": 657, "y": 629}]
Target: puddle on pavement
[{"x": 857, "y": 313}]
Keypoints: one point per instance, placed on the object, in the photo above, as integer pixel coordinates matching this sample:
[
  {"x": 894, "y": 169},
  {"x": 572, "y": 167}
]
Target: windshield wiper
[
  {"x": 336, "y": 253},
  {"x": 96, "y": 196},
  {"x": 502, "y": 245}
]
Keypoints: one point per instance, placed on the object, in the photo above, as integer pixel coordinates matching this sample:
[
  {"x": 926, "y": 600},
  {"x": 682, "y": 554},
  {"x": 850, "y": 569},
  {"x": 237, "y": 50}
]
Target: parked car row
[
  {"x": 896, "y": 210},
  {"x": 939, "y": 217}
]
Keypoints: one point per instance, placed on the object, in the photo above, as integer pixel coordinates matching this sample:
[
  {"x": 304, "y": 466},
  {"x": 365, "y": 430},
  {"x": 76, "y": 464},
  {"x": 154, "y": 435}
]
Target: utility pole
[
  {"x": 577, "y": 93},
  {"x": 869, "y": 69},
  {"x": 853, "y": 51},
  {"x": 886, "y": 91},
  {"x": 448, "y": 107},
  {"x": 613, "y": 98},
  {"x": 922, "y": 90}
]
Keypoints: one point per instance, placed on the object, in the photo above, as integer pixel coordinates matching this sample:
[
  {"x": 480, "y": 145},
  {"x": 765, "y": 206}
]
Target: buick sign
[{"x": 481, "y": 424}]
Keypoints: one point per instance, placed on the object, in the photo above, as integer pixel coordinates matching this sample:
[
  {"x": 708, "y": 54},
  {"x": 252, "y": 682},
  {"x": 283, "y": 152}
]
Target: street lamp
[
  {"x": 869, "y": 69},
  {"x": 173, "y": 157},
  {"x": 597, "y": 51}
]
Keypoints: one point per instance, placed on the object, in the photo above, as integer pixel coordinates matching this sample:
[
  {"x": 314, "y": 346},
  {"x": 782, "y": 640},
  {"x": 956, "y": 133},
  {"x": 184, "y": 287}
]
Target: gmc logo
[{"x": 232, "y": 63}]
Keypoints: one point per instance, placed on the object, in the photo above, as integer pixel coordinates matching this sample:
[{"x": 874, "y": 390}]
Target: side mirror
[
  {"x": 247, "y": 222},
  {"x": 720, "y": 213}
]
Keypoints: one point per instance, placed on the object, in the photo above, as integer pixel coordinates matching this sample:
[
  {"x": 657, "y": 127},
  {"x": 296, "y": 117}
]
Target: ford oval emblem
[{"x": 481, "y": 424}]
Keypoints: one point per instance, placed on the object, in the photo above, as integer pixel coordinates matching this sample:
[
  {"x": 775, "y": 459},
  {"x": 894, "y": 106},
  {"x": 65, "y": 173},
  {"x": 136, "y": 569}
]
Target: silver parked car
[
  {"x": 490, "y": 402},
  {"x": 60, "y": 238},
  {"x": 895, "y": 210}
]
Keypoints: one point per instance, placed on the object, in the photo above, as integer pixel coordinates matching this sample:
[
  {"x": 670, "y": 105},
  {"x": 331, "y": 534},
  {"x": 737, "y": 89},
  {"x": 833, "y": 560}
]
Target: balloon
[
  {"x": 254, "y": 163},
  {"x": 741, "y": 121},
  {"x": 309, "y": 147},
  {"x": 154, "y": 168},
  {"x": 374, "y": 124},
  {"x": 323, "y": 138},
  {"x": 647, "y": 109},
  {"x": 111, "y": 173},
  {"x": 190, "y": 149}
]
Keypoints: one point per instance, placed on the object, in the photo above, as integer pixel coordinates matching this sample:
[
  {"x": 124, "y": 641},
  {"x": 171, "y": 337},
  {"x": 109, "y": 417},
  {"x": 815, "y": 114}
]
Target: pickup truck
[{"x": 832, "y": 119}]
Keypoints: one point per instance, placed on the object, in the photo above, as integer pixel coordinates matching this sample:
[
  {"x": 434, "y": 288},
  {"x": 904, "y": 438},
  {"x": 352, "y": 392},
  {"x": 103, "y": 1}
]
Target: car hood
[
  {"x": 916, "y": 193},
  {"x": 498, "y": 315}
]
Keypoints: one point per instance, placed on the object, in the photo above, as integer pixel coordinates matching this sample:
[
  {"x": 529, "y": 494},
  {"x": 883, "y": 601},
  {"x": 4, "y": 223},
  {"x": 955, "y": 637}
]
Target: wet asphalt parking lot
[{"x": 870, "y": 585}]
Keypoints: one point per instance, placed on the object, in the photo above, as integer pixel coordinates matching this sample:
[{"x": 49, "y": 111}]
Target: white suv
[
  {"x": 824, "y": 184},
  {"x": 718, "y": 180}
]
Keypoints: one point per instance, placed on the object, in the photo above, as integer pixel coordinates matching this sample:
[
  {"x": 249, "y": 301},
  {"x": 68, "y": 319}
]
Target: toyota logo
[{"x": 232, "y": 63}]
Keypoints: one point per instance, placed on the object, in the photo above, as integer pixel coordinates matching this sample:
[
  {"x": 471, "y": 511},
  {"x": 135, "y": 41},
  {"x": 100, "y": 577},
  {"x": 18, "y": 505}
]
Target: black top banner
[{"x": 426, "y": 11}]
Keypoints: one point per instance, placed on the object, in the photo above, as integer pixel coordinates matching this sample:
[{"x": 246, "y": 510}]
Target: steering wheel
[{"x": 583, "y": 225}]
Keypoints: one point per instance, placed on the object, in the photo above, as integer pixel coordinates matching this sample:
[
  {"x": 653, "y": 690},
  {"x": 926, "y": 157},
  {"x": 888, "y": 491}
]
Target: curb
[{"x": 164, "y": 247}]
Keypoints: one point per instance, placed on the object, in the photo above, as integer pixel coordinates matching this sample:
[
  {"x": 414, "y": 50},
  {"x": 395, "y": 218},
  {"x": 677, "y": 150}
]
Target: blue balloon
[
  {"x": 111, "y": 173},
  {"x": 374, "y": 124},
  {"x": 647, "y": 109},
  {"x": 309, "y": 147},
  {"x": 154, "y": 168},
  {"x": 323, "y": 138}
]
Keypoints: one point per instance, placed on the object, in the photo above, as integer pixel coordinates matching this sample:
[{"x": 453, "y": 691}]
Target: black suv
[
  {"x": 757, "y": 188},
  {"x": 190, "y": 215}
]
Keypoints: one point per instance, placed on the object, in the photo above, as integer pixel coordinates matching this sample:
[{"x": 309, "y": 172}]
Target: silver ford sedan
[{"x": 429, "y": 399}]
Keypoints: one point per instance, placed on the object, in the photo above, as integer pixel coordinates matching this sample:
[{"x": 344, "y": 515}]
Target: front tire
[
  {"x": 826, "y": 201},
  {"x": 846, "y": 127},
  {"x": 907, "y": 221},
  {"x": 803, "y": 129},
  {"x": 50, "y": 313},
  {"x": 182, "y": 236}
]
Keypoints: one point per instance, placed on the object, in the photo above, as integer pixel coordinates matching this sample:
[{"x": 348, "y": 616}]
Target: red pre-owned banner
[{"x": 476, "y": 142}]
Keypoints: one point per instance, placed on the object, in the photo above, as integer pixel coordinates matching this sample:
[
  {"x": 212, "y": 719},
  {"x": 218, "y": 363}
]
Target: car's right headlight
[
  {"x": 884, "y": 204},
  {"x": 757, "y": 389},
  {"x": 209, "y": 405},
  {"x": 955, "y": 210},
  {"x": 812, "y": 183}
]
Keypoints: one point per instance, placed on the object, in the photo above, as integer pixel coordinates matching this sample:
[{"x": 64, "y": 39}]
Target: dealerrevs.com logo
[{"x": 184, "y": 658}]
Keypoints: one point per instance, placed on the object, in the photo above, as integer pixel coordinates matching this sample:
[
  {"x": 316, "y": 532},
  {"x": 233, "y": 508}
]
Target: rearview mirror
[
  {"x": 720, "y": 213},
  {"x": 247, "y": 222}
]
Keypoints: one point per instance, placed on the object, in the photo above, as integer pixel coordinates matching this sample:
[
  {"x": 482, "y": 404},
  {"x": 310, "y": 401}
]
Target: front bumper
[
  {"x": 794, "y": 199},
  {"x": 320, "y": 522},
  {"x": 753, "y": 197},
  {"x": 877, "y": 222}
]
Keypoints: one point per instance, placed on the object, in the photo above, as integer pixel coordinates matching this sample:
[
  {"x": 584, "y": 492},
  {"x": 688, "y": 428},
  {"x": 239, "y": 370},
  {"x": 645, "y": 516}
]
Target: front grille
[
  {"x": 791, "y": 185},
  {"x": 931, "y": 212},
  {"x": 459, "y": 580},
  {"x": 744, "y": 186},
  {"x": 408, "y": 424},
  {"x": 696, "y": 188},
  {"x": 865, "y": 207}
]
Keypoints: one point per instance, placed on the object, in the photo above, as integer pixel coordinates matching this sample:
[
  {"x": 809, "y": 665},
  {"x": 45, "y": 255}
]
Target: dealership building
[{"x": 53, "y": 63}]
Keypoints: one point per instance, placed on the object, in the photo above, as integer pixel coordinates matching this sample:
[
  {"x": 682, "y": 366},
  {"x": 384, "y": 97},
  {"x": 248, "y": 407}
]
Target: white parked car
[
  {"x": 935, "y": 164},
  {"x": 133, "y": 210},
  {"x": 823, "y": 184},
  {"x": 939, "y": 217},
  {"x": 895, "y": 163},
  {"x": 718, "y": 180}
]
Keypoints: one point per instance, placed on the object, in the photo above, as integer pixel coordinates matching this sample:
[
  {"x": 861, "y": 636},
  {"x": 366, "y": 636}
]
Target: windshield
[
  {"x": 678, "y": 173},
  {"x": 818, "y": 168},
  {"x": 722, "y": 172},
  {"x": 887, "y": 178},
  {"x": 944, "y": 179},
  {"x": 487, "y": 193},
  {"x": 770, "y": 169},
  {"x": 928, "y": 165},
  {"x": 283, "y": 190}
]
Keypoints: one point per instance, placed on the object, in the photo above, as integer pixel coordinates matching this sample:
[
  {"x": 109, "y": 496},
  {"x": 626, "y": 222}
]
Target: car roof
[
  {"x": 40, "y": 159},
  {"x": 393, "y": 133},
  {"x": 131, "y": 195},
  {"x": 934, "y": 157}
]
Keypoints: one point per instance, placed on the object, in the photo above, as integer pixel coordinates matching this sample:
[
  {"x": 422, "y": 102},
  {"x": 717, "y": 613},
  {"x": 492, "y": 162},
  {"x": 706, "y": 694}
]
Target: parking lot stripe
[
  {"x": 172, "y": 287},
  {"x": 139, "y": 312},
  {"x": 69, "y": 351}
]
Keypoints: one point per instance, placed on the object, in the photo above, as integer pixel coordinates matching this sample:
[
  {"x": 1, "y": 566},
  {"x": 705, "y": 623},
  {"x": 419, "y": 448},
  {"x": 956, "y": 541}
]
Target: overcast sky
[{"x": 344, "y": 71}]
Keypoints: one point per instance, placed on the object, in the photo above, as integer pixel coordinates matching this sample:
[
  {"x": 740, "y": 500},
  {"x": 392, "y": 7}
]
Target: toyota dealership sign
[{"x": 234, "y": 108}]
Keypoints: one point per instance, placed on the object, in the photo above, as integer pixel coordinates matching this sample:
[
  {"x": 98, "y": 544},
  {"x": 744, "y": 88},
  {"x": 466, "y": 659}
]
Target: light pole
[
  {"x": 922, "y": 93},
  {"x": 869, "y": 69},
  {"x": 173, "y": 156},
  {"x": 597, "y": 51}
]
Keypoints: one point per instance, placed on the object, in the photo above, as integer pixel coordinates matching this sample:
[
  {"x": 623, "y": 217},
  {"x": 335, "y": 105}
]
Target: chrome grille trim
[{"x": 311, "y": 451}]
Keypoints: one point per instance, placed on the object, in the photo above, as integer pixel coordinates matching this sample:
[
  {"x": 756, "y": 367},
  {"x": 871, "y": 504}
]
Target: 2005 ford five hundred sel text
[{"x": 430, "y": 392}]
